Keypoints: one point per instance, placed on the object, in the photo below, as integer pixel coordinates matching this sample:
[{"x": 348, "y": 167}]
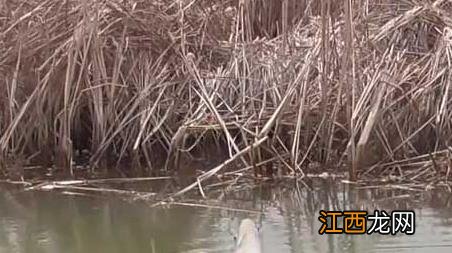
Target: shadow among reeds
[{"x": 362, "y": 83}]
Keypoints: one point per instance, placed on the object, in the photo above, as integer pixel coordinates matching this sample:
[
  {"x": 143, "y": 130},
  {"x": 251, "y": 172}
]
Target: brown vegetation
[{"x": 367, "y": 82}]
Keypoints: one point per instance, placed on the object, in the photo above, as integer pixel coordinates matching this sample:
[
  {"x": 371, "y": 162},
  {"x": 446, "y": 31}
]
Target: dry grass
[{"x": 361, "y": 81}]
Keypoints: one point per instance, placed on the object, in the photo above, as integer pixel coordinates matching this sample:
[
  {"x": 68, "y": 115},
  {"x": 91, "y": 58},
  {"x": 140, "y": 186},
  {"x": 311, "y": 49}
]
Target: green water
[{"x": 56, "y": 222}]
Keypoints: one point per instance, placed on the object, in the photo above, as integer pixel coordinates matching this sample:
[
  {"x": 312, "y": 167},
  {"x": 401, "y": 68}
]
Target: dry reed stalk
[{"x": 215, "y": 170}]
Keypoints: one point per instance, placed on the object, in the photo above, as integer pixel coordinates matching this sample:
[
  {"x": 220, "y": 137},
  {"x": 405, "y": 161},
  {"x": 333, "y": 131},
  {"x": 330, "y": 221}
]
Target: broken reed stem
[{"x": 215, "y": 170}]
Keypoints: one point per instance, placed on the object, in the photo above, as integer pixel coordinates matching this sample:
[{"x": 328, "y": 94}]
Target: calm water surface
[{"x": 55, "y": 222}]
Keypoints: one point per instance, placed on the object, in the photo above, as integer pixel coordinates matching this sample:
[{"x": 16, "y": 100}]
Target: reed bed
[{"x": 361, "y": 83}]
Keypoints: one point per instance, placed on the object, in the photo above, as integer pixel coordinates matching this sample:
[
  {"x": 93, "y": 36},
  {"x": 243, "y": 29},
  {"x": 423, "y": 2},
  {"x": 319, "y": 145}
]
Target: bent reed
[{"x": 361, "y": 83}]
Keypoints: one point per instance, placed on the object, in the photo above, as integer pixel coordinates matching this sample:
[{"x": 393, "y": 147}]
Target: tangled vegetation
[{"x": 364, "y": 83}]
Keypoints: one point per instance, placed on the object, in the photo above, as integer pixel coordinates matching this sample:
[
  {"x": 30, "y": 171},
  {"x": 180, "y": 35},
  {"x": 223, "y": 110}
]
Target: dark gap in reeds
[{"x": 361, "y": 83}]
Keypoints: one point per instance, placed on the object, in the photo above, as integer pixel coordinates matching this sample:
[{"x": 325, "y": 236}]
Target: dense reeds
[{"x": 329, "y": 82}]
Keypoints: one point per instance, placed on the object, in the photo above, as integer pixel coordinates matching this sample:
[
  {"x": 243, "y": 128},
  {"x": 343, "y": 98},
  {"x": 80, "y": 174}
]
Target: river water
[{"x": 287, "y": 216}]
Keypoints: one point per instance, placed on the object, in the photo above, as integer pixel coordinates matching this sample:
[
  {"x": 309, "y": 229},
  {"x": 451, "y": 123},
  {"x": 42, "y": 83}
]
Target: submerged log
[{"x": 248, "y": 240}]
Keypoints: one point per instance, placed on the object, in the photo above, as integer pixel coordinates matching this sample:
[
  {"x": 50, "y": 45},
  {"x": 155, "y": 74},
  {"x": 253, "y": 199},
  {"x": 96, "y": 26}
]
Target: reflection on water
[{"x": 52, "y": 222}]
